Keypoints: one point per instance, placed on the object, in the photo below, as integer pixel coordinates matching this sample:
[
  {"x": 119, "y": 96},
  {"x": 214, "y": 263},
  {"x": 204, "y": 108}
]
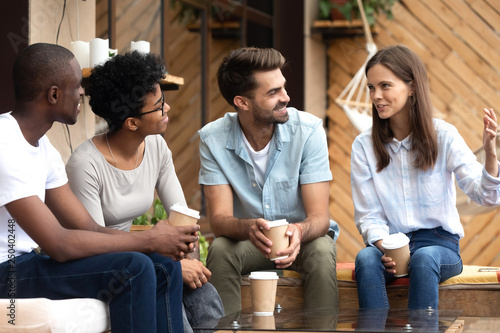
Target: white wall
[{"x": 78, "y": 24}]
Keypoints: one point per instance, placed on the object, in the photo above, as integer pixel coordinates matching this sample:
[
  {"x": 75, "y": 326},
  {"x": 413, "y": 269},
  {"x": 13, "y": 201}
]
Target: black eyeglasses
[{"x": 155, "y": 110}]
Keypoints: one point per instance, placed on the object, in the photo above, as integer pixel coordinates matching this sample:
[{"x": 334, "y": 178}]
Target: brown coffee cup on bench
[
  {"x": 263, "y": 287},
  {"x": 263, "y": 322}
]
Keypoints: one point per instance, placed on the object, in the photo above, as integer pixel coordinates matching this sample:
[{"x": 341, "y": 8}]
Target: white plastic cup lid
[
  {"x": 185, "y": 210},
  {"x": 395, "y": 241},
  {"x": 263, "y": 314},
  {"x": 264, "y": 276},
  {"x": 277, "y": 223}
]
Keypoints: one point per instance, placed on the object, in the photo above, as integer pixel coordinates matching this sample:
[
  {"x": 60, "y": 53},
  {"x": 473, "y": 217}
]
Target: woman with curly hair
[
  {"x": 403, "y": 174},
  {"x": 115, "y": 174}
]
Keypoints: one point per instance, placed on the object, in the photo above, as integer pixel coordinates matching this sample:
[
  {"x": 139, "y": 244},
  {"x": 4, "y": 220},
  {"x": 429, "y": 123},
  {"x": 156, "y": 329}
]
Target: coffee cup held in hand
[
  {"x": 396, "y": 247},
  {"x": 181, "y": 215},
  {"x": 277, "y": 235},
  {"x": 263, "y": 286}
]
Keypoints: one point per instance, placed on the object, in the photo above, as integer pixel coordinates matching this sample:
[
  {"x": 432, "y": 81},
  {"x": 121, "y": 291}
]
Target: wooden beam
[
  {"x": 253, "y": 15},
  {"x": 288, "y": 39},
  {"x": 112, "y": 23}
]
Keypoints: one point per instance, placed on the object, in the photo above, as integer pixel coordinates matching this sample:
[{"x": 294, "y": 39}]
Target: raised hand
[{"x": 489, "y": 141}]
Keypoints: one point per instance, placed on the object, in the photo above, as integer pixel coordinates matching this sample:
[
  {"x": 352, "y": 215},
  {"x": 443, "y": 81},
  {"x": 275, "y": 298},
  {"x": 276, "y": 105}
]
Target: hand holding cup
[
  {"x": 277, "y": 235},
  {"x": 171, "y": 241},
  {"x": 396, "y": 247},
  {"x": 257, "y": 237}
]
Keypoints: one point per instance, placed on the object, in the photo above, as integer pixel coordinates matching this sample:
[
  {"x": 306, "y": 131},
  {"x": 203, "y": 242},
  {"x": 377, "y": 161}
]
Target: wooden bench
[{"x": 475, "y": 291}]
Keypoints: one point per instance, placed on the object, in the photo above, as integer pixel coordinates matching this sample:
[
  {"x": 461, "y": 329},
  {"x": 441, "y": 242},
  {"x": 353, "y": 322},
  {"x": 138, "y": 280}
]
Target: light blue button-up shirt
[
  {"x": 298, "y": 155},
  {"x": 402, "y": 198}
]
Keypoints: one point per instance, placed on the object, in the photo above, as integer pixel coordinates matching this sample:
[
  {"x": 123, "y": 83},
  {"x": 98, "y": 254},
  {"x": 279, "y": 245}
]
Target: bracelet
[{"x": 301, "y": 236}]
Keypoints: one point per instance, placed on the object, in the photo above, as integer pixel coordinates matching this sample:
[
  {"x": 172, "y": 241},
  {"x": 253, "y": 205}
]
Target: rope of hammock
[{"x": 355, "y": 99}]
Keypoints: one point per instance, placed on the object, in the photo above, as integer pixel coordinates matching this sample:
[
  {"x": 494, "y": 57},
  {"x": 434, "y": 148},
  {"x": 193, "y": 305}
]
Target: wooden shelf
[
  {"x": 225, "y": 29},
  {"x": 340, "y": 28},
  {"x": 170, "y": 82}
]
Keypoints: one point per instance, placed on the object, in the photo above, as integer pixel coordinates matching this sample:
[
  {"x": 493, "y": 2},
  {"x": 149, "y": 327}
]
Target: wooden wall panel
[
  {"x": 458, "y": 41},
  {"x": 185, "y": 117}
]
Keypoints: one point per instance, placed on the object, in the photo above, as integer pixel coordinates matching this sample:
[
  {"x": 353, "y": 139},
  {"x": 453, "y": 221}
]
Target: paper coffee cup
[
  {"x": 263, "y": 322},
  {"x": 277, "y": 235},
  {"x": 181, "y": 215},
  {"x": 263, "y": 286},
  {"x": 396, "y": 247}
]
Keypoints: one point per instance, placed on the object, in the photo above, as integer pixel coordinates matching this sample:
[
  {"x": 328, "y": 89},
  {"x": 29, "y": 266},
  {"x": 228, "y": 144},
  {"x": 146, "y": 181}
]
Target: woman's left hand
[
  {"x": 194, "y": 274},
  {"x": 489, "y": 141},
  {"x": 490, "y": 130}
]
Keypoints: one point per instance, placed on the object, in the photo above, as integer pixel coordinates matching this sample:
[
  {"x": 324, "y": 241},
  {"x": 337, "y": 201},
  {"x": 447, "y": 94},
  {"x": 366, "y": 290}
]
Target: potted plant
[
  {"x": 159, "y": 213},
  {"x": 349, "y": 9},
  {"x": 328, "y": 9},
  {"x": 220, "y": 10}
]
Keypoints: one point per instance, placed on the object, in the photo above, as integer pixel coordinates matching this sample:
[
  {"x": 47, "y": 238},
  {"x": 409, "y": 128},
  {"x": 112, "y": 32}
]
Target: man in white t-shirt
[{"x": 38, "y": 210}]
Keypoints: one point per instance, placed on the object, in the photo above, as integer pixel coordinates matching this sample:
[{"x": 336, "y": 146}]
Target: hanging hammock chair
[{"x": 355, "y": 99}]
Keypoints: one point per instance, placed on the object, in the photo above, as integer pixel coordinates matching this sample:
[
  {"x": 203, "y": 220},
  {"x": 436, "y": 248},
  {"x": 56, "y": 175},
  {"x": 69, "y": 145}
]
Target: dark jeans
[
  {"x": 435, "y": 257},
  {"x": 144, "y": 292},
  {"x": 203, "y": 308}
]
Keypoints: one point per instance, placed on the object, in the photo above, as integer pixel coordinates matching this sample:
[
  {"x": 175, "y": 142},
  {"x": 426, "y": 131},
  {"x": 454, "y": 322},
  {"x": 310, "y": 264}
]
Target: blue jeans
[
  {"x": 376, "y": 320},
  {"x": 144, "y": 292},
  {"x": 435, "y": 257},
  {"x": 203, "y": 307}
]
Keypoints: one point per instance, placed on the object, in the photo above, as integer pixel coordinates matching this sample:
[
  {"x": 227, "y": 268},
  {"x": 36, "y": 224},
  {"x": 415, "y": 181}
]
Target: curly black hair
[{"x": 118, "y": 88}]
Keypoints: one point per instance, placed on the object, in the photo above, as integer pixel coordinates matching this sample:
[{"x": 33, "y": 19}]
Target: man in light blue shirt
[{"x": 266, "y": 162}]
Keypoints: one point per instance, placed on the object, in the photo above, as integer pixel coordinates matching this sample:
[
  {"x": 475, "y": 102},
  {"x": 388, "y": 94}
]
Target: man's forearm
[
  {"x": 312, "y": 228},
  {"x": 231, "y": 227}
]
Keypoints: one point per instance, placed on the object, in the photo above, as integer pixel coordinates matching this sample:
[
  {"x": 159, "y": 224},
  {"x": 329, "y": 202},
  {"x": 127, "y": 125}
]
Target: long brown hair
[{"x": 408, "y": 67}]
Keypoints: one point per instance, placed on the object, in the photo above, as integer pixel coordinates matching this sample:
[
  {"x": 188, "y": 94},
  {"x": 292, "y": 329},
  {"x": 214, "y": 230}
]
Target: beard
[{"x": 266, "y": 117}]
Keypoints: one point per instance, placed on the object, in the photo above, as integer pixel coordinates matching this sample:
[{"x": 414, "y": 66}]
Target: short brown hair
[{"x": 236, "y": 72}]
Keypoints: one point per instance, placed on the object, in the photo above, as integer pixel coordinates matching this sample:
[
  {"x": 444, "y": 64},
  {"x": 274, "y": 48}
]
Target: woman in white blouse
[{"x": 402, "y": 178}]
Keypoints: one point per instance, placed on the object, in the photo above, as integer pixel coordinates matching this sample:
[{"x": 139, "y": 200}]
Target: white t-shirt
[
  {"x": 114, "y": 197},
  {"x": 259, "y": 160},
  {"x": 24, "y": 171}
]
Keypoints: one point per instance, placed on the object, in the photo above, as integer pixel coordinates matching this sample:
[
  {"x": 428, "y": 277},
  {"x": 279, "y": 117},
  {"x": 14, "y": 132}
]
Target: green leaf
[
  {"x": 371, "y": 8},
  {"x": 346, "y": 10},
  {"x": 203, "y": 247},
  {"x": 324, "y": 10},
  {"x": 142, "y": 220}
]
